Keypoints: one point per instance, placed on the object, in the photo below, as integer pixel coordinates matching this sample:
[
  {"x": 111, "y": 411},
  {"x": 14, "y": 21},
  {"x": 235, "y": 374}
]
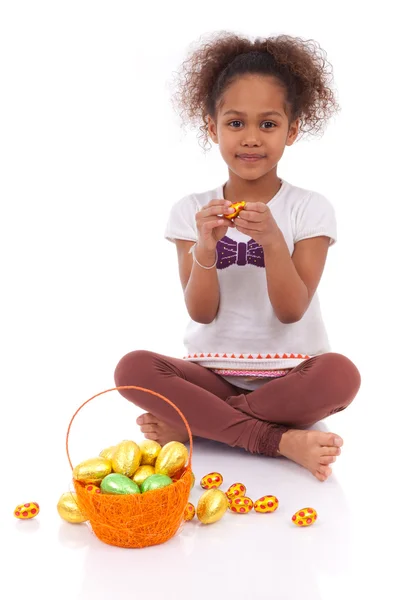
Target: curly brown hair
[{"x": 300, "y": 66}]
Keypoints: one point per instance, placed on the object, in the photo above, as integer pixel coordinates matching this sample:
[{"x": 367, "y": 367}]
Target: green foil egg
[
  {"x": 155, "y": 482},
  {"x": 115, "y": 483}
]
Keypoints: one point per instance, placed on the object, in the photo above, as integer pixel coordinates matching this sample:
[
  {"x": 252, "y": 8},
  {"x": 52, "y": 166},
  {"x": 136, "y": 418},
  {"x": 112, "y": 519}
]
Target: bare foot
[
  {"x": 314, "y": 450},
  {"x": 157, "y": 430}
]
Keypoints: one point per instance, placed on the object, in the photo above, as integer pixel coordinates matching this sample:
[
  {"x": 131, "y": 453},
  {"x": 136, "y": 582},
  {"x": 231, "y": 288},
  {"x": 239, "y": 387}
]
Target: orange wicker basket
[{"x": 136, "y": 520}]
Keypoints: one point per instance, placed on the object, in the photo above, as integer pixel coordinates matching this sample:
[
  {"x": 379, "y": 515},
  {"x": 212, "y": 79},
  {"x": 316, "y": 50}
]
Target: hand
[
  {"x": 211, "y": 226},
  {"x": 256, "y": 221}
]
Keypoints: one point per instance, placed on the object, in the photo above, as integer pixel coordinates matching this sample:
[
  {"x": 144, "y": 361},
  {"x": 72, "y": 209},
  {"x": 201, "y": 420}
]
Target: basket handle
[{"x": 134, "y": 387}]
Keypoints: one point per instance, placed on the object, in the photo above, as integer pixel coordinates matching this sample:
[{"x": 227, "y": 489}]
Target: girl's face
[{"x": 251, "y": 122}]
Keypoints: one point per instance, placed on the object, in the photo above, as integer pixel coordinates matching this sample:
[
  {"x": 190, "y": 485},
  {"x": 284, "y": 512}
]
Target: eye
[
  {"x": 232, "y": 122},
  {"x": 270, "y": 123}
]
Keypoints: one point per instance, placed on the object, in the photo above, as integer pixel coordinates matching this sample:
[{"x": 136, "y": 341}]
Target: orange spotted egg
[
  {"x": 190, "y": 512},
  {"x": 240, "y": 505},
  {"x": 235, "y": 490},
  {"x": 266, "y": 504},
  {"x": 93, "y": 489},
  {"x": 211, "y": 481},
  {"x": 27, "y": 511},
  {"x": 305, "y": 517}
]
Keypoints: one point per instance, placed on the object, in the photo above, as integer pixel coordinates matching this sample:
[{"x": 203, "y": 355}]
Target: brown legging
[{"x": 218, "y": 410}]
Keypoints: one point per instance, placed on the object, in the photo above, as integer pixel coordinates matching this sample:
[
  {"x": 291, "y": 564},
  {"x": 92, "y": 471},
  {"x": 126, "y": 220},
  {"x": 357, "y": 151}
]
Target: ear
[
  {"x": 293, "y": 132},
  {"x": 212, "y": 129}
]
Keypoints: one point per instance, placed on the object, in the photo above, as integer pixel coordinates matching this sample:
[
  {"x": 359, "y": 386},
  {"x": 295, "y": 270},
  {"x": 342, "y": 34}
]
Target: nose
[{"x": 251, "y": 138}]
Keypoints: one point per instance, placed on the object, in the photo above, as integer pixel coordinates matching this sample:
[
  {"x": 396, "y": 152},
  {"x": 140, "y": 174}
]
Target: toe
[
  {"x": 324, "y": 470},
  {"x": 319, "y": 476},
  {"x": 330, "y": 451},
  {"x": 327, "y": 460}
]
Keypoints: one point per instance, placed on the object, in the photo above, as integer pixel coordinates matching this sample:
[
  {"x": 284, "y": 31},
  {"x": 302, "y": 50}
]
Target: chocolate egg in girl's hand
[{"x": 237, "y": 206}]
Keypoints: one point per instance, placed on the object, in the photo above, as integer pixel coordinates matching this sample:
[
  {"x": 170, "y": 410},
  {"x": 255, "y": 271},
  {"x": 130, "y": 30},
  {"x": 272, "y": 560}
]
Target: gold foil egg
[
  {"x": 240, "y": 505},
  {"x": 305, "y": 517},
  {"x": 266, "y": 504},
  {"x": 126, "y": 458},
  {"x": 236, "y": 489},
  {"x": 173, "y": 456},
  {"x": 92, "y": 470},
  {"x": 150, "y": 450},
  {"x": 27, "y": 510},
  {"x": 237, "y": 206},
  {"x": 212, "y": 506},
  {"x": 189, "y": 513},
  {"x": 107, "y": 452},
  {"x": 68, "y": 508},
  {"x": 211, "y": 481},
  {"x": 143, "y": 473},
  {"x": 92, "y": 489}
]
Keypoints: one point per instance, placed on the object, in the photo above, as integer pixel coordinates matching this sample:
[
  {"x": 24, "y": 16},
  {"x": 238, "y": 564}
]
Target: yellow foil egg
[
  {"x": 92, "y": 470},
  {"x": 305, "y": 517},
  {"x": 212, "y": 506},
  {"x": 240, "y": 505},
  {"x": 143, "y": 473},
  {"x": 68, "y": 508},
  {"x": 92, "y": 489},
  {"x": 126, "y": 458},
  {"x": 173, "y": 456},
  {"x": 237, "y": 206},
  {"x": 190, "y": 512},
  {"x": 211, "y": 481},
  {"x": 266, "y": 504},
  {"x": 27, "y": 510},
  {"x": 150, "y": 450},
  {"x": 235, "y": 490},
  {"x": 107, "y": 452}
]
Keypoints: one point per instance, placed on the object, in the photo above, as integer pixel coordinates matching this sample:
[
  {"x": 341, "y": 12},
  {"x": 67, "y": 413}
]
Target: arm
[
  {"x": 292, "y": 281},
  {"x": 200, "y": 286}
]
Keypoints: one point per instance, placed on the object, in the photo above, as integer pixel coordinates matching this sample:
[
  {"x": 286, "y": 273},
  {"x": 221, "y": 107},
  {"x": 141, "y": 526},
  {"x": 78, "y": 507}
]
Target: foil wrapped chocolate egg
[
  {"x": 235, "y": 490},
  {"x": 150, "y": 449},
  {"x": 92, "y": 489},
  {"x": 211, "y": 481},
  {"x": 92, "y": 470},
  {"x": 126, "y": 458},
  {"x": 155, "y": 482},
  {"x": 107, "y": 452},
  {"x": 266, "y": 504},
  {"x": 240, "y": 505},
  {"x": 305, "y": 517},
  {"x": 212, "y": 506},
  {"x": 190, "y": 512},
  {"x": 115, "y": 483},
  {"x": 142, "y": 473},
  {"x": 27, "y": 510},
  {"x": 68, "y": 508},
  {"x": 237, "y": 206},
  {"x": 172, "y": 457}
]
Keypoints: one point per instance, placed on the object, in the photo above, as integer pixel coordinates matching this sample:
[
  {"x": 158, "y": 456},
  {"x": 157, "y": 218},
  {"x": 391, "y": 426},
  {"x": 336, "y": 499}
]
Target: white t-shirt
[{"x": 246, "y": 336}]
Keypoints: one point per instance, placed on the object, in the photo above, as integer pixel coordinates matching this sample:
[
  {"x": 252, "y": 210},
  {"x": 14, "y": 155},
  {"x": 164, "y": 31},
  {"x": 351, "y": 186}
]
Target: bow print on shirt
[{"x": 239, "y": 253}]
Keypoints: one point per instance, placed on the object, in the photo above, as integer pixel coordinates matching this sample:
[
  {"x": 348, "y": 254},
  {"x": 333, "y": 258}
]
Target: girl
[{"x": 258, "y": 369}]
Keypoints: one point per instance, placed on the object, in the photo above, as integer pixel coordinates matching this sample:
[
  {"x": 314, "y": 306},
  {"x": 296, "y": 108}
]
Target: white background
[{"x": 92, "y": 156}]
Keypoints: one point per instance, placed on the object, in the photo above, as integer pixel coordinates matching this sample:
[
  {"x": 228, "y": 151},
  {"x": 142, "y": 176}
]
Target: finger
[
  {"x": 215, "y": 210},
  {"x": 213, "y": 223},
  {"x": 247, "y": 230},
  {"x": 148, "y": 428},
  {"x": 259, "y": 207},
  {"x": 254, "y": 217},
  {"x": 219, "y": 202}
]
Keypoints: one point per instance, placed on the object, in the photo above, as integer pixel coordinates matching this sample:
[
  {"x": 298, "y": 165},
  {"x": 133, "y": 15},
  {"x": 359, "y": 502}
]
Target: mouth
[{"x": 250, "y": 157}]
